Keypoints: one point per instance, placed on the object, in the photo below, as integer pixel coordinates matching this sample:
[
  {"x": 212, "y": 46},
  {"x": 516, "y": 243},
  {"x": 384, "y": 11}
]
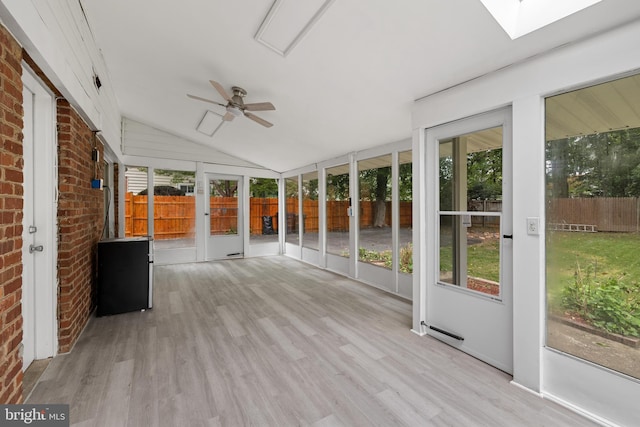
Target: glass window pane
[
  {"x": 337, "y": 210},
  {"x": 291, "y": 208},
  {"x": 223, "y": 207},
  {"x": 174, "y": 211},
  {"x": 405, "y": 188},
  {"x": 470, "y": 252},
  {"x": 375, "y": 211},
  {"x": 471, "y": 183},
  {"x": 263, "y": 210},
  {"x": 135, "y": 202},
  {"x": 592, "y": 240},
  {"x": 446, "y": 176},
  {"x": 310, "y": 210},
  {"x": 447, "y": 250}
]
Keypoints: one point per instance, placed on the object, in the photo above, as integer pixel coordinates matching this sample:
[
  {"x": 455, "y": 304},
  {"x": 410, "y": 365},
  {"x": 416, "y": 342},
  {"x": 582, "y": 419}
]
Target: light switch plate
[{"x": 533, "y": 226}]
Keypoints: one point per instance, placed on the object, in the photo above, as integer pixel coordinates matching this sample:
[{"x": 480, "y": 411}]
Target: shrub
[
  {"x": 384, "y": 257},
  {"x": 406, "y": 258},
  {"x": 609, "y": 304},
  {"x": 374, "y": 257}
]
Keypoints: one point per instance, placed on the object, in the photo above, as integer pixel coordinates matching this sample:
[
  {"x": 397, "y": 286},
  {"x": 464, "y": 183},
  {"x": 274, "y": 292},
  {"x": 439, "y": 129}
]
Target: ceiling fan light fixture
[{"x": 234, "y": 110}]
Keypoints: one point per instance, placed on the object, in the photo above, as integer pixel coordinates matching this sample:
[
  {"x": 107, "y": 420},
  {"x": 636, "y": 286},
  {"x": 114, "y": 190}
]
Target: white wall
[
  {"x": 524, "y": 86},
  {"x": 57, "y": 37},
  {"x": 139, "y": 139}
]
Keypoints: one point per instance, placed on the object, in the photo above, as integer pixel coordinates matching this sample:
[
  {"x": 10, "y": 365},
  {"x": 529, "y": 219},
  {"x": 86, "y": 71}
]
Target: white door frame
[
  {"x": 40, "y": 281},
  {"x": 484, "y": 323},
  {"x": 231, "y": 246}
]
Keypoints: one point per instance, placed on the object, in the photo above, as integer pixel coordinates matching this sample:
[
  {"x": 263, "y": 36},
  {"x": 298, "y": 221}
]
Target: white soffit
[
  {"x": 288, "y": 21},
  {"x": 520, "y": 17},
  {"x": 483, "y": 140},
  {"x": 601, "y": 108}
]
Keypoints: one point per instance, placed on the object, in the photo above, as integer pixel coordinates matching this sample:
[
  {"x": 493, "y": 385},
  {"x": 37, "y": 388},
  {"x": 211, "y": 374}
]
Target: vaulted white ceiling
[{"x": 347, "y": 84}]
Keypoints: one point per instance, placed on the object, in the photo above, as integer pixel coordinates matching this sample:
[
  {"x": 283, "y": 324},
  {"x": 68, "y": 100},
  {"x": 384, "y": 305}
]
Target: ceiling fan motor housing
[{"x": 238, "y": 94}]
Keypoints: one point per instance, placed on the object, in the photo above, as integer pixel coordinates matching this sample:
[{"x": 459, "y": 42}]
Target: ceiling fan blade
[
  {"x": 205, "y": 100},
  {"x": 259, "y": 120},
  {"x": 228, "y": 117},
  {"x": 259, "y": 106},
  {"x": 223, "y": 93}
]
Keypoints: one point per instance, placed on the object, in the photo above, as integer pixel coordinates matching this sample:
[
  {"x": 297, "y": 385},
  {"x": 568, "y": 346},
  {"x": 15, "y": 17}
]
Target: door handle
[
  {"x": 206, "y": 214},
  {"x": 508, "y": 236},
  {"x": 34, "y": 248}
]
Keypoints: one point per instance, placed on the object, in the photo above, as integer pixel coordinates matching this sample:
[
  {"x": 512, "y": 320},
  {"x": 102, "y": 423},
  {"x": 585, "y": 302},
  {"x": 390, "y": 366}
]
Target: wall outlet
[{"x": 533, "y": 226}]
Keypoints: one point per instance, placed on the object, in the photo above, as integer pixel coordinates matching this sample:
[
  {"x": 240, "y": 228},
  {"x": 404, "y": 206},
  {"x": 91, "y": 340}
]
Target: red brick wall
[
  {"x": 80, "y": 222},
  {"x": 11, "y": 164},
  {"x": 80, "y": 215}
]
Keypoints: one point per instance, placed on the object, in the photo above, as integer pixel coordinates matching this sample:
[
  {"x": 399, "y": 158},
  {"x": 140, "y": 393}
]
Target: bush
[
  {"x": 163, "y": 190},
  {"x": 375, "y": 257},
  {"x": 610, "y": 305},
  {"x": 406, "y": 258},
  {"x": 384, "y": 258}
]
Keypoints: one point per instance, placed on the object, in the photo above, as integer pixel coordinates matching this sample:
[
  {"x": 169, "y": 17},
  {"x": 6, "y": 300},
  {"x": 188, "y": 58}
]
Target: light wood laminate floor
[{"x": 275, "y": 342}]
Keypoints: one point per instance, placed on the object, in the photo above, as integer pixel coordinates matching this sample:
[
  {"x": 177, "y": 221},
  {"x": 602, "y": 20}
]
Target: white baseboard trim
[
  {"x": 520, "y": 386},
  {"x": 596, "y": 419}
]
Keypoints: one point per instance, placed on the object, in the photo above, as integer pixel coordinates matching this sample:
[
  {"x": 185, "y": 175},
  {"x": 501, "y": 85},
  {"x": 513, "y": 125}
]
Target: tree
[
  {"x": 405, "y": 186},
  {"x": 382, "y": 183},
  {"x": 375, "y": 186},
  {"x": 338, "y": 186},
  {"x": 310, "y": 189},
  {"x": 484, "y": 175},
  {"x": 599, "y": 165},
  {"x": 177, "y": 177},
  {"x": 557, "y": 176},
  {"x": 291, "y": 188},
  {"x": 446, "y": 183},
  {"x": 224, "y": 188},
  {"x": 263, "y": 187}
]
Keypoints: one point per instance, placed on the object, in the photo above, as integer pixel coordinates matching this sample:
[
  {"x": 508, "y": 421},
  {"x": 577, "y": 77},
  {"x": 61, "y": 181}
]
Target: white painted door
[
  {"x": 39, "y": 250},
  {"x": 224, "y": 211},
  {"x": 469, "y": 293}
]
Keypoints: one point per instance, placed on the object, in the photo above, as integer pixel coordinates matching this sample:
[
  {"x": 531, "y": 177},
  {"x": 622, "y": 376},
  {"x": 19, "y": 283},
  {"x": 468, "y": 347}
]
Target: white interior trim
[{"x": 44, "y": 175}]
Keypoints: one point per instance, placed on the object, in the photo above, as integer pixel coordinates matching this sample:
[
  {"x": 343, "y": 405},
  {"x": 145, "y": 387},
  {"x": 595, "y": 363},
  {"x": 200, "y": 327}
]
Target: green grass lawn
[
  {"x": 483, "y": 259},
  {"x": 605, "y": 293},
  {"x": 610, "y": 254}
]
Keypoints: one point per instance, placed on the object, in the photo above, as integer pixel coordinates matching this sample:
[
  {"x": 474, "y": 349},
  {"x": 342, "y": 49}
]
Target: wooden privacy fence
[
  {"x": 174, "y": 216},
  {"x": 614, "y": 214},
  {"x": 223, "y": 215},
  {"x": 485, "y": 206}
]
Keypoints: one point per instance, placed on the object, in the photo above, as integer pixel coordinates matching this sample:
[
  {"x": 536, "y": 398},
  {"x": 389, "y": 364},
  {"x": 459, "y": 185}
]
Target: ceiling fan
[{"x": 235, "y": 105}]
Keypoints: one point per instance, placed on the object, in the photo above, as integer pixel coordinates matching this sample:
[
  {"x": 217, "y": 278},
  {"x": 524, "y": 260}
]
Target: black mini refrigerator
[{"x": 125, "y": 275}]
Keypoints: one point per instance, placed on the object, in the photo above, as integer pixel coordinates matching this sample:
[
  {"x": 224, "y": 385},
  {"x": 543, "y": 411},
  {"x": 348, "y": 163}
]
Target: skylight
[{"x": 520, "y": 17}]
